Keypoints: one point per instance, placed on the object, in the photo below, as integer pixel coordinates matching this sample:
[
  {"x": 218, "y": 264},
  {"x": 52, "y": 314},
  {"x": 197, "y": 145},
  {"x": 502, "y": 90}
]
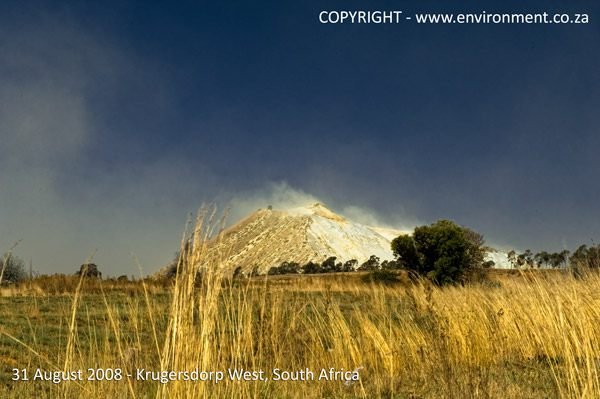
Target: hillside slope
[{"x": 312, "y": 233}]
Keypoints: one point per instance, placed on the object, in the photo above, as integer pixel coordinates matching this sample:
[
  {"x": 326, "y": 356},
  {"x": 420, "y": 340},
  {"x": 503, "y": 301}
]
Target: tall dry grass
[{"x": 527, "y": 336}]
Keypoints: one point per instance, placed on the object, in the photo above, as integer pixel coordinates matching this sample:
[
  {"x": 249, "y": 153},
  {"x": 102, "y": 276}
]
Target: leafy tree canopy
[{"x": 443, "y": 252}]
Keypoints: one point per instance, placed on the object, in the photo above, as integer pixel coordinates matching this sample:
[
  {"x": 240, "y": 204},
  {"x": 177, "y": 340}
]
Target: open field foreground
[{"x": 525, "y": 336}]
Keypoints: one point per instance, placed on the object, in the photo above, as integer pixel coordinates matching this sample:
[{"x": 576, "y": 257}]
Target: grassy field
[{"x": 523, "y": 335}]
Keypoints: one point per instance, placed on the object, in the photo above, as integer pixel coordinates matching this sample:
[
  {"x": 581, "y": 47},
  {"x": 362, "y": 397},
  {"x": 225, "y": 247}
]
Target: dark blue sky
[{"x": 119, "y": 119}]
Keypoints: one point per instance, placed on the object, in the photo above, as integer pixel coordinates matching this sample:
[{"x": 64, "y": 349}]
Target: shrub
[{"x": 12, "y": 269}]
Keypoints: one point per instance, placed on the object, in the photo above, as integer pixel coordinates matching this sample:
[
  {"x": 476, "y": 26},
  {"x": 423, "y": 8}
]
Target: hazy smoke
[
  {"x": 370, "y": 218},
  {"x": 278, "y": 195},
  {"x": 61, "y": 191},
  {"x": 53, "y": 196},
  {"x": 282, "y": 196}
]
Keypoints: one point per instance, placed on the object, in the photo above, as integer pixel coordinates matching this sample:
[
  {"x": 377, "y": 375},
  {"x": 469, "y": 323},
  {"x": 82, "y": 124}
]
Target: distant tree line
[
  {"x": 332, "y": 265},
  {"x": 542, "y": 259},
  {"x": 12, "y": 271},
  {"x": 584, "y": 256}
]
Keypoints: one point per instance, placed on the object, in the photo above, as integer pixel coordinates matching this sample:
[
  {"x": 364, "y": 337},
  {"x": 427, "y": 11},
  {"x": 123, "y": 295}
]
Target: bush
[
  {"x": 312, "y": 268},
  {"x": 12, "y": 269},
  {"x": 284, "y": 268},
  {"x": 444, "y": 252},
  {"x": 89, "y": 270},
  {"x": 384, "y": 276},
  {"x": 390, "y": 265}
]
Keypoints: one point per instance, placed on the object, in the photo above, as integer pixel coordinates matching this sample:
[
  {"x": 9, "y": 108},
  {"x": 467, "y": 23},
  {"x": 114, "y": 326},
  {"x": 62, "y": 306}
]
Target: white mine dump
[{"x": 269, "y": 237}]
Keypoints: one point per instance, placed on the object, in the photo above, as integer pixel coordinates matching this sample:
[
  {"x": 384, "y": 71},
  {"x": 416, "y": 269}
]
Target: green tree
[
  {"x": 350, "y": 265},
  {"x": 542, "y": 258},
  {"x": 512, "y": 258},
  {"x": 311, "y": 268},
  {"x": 558, "y": 259},
  {"x": 329, "y": 265},
  {"x": 370, "y": 264},
  {"x": 289, "y": 268},
  {"x": 579, "y": 256},
  {"x": 586, "y": 257},
  {"x": 443, "y": 252},
  {"x": 526, "y": 259}
]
